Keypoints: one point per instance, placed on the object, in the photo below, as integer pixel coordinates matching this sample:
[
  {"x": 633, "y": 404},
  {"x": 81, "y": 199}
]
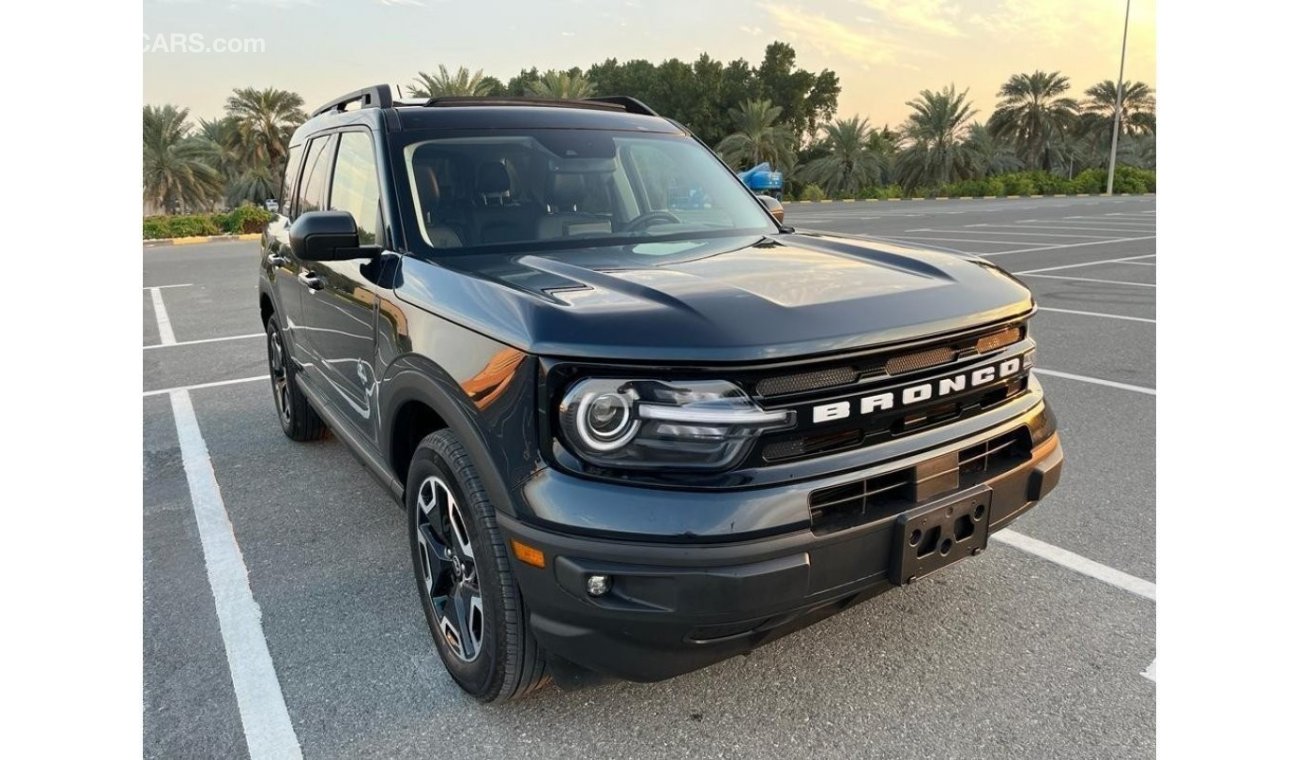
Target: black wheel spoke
[{"x": 450, "y": 577}]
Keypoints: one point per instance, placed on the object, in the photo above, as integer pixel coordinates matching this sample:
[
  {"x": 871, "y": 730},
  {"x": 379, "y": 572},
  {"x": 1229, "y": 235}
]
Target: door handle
[
  {"x": 276, "y": 260},
  {"x": 311, "y": 280}
]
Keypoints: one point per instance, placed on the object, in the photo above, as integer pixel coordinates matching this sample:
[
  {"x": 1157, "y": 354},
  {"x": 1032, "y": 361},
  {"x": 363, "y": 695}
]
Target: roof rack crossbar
[{"x": 378, "y": 96}]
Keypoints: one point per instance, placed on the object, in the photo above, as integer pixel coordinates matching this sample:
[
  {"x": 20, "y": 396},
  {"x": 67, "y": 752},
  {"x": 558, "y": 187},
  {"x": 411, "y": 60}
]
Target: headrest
[
  {"x": 491, "y": 178},
  {"x": 566, "y": 190}
]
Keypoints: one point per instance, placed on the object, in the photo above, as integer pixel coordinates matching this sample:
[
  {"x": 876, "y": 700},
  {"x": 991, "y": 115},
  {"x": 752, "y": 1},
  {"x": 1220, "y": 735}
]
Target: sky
[{"x": 885, "y": 51}]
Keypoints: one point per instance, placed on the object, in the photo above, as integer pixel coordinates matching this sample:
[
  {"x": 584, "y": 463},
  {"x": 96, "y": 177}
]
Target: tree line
[{"x": 774, "y": 111}]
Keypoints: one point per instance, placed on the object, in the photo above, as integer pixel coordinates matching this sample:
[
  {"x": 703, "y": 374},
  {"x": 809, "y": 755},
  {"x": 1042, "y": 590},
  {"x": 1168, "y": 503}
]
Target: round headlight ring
[{"x": 599, "y": 410}]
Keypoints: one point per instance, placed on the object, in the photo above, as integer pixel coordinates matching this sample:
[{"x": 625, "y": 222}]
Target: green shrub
[
  {"x": 812, "y": 193},
  {"x": 1046, "y": 183},
  {"x": 155, "y": 227},
  {"x": 189, "y": 225},
  {"x": 1130, "y": 179},
  {"x": 1019, "y": 184},
  {"x": 246, "y": 219},
  {"x": 994, "y": 186},
  {"x": 1090, "y": 181},
  {"x": 889, "y": 191},
  {"x": 243, "y": 220}
]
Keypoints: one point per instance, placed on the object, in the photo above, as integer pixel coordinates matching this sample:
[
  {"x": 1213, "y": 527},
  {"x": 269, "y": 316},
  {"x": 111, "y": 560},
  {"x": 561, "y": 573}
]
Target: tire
[
  {"x": 467, "y": 589},
  {"x": 297, "y": 419}
]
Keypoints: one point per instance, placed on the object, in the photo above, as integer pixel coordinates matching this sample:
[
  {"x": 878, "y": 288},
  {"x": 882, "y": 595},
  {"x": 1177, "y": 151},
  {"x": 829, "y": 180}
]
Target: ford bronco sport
[{"x": 637, "y": 424}]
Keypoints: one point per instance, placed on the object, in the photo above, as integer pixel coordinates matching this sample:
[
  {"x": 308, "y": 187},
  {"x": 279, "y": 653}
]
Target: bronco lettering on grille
[{"x": 923, "y": 391}]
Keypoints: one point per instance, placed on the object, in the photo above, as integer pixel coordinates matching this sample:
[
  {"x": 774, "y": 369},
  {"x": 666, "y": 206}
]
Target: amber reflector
[
  {"x": 527, "y": 554},
  {"x": 998, "y": 340}
]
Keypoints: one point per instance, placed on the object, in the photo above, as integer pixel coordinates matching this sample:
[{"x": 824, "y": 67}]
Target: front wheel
[{"x": 467, "y": 590}]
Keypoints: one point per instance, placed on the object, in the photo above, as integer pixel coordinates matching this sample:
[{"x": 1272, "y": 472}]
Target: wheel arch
[{"x": 418, "y": 400}]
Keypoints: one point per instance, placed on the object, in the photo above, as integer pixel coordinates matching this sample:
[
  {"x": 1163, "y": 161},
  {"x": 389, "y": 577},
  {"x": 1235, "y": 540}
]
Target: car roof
[{"x": 376, "y": 107}]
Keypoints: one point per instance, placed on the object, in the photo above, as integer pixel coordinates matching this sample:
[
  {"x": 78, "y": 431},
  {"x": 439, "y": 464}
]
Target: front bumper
[{"x": 677, "y": 607}]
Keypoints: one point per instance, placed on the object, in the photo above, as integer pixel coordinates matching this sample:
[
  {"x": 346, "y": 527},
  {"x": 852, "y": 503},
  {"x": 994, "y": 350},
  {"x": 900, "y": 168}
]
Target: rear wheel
[
  {"x": 466, "y": 586},
  {"x": 297, "y": 419}
]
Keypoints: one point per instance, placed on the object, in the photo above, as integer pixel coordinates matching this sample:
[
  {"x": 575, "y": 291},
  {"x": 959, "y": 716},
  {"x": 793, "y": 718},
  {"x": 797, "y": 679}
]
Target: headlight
[{"x": 705, "y": 424}]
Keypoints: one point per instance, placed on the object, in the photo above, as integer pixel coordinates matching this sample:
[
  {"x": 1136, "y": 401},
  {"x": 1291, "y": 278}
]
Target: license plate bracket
[{"x": 931, "y": 537}]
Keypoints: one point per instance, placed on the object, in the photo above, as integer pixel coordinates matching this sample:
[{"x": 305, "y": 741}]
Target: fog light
[{"x": 598, "y": 585}]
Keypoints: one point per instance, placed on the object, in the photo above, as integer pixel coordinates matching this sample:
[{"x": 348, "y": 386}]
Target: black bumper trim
[{"x": 679, "y": 607}]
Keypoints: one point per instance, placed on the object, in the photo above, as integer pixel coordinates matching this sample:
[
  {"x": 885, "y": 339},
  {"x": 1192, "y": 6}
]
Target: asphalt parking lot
[{"x": 1044, "y": 647}]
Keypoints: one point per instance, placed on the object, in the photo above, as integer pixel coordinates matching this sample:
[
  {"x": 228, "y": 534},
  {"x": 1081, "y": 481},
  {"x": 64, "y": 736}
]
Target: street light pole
[{"x": 1119, "y": 99}]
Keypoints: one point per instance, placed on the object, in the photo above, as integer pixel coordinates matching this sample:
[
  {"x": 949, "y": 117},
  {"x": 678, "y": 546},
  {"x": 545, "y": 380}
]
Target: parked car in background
[{"x": 763, "y": 179}]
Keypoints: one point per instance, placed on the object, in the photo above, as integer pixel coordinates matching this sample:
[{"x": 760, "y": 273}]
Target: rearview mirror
[
  {"x": 774, "y": 207},
  {"x": 327, "y": 236}
]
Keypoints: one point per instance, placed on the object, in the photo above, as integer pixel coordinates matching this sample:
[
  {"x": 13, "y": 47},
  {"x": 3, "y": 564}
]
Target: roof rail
[
  {"x": 610, "y": 103},
  {"x": 630, "y": 104},
  {"x": 378, "y": 96}
]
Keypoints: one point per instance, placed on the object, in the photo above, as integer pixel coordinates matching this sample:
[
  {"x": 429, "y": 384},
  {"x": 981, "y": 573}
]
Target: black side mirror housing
[
  {"x": 774, "y": 207},
  {"x": 327, "y": 236}
]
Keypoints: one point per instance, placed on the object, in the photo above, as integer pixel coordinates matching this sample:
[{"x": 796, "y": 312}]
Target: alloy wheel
[{"x": 448, "y": 568}]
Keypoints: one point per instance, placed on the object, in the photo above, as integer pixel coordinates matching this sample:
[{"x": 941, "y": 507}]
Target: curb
[
  {"x": 972, "y": 198},
  {"x": 202, "y": 239}
]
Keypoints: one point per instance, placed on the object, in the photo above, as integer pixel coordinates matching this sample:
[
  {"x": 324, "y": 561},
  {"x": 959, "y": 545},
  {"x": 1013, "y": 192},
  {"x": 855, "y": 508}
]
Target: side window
[
  {"x": 356, "y": 184},
  {"x": 315, "y": 176},
  {"x": 291, "y": 165}
]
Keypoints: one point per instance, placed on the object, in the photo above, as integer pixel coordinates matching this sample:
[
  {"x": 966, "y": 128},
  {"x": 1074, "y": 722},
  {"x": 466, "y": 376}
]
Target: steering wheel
[{"x": 643, "y": 221}]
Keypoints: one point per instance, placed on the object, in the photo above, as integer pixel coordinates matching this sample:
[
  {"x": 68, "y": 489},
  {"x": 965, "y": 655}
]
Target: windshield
[{"x": 586, "y": 187}]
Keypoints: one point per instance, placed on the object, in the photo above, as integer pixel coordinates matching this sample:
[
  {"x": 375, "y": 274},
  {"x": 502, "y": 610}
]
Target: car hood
[{"x": 729, "y": 299}]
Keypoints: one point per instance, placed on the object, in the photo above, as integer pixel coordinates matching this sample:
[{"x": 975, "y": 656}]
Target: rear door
[{"x": 340, "y": 311}]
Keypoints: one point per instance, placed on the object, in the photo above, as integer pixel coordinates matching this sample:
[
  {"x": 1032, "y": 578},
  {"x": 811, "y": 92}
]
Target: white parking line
[
  {"x": 161, "y": 391},
  {"x": 181, "y": 285},
  {"x": 1067, "y": 226},
  {"x": 165, "y": 334},
  {"x": 1150, "y": 672},
  {"x": 1008, "y": 232},
  {"x": 1072, "y": 245},
  {"x": 207, "y": 340},
  {"x": 267, "y": 728},
  {"x": 1078, "y": 563},
  {"x": 1090, "y": 279},
  {"x": 924, "y": 238},
  {"x": 1097, "y": 314},
  {"x": 1096, "y": 381},
  {"x": 1136, "y": 263},
  {"x": 1125, "y": 260}
]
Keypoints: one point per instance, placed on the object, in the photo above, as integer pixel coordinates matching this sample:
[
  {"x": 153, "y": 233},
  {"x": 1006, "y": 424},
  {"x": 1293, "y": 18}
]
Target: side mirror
[
  {"x": 774, "y": 207},
  {"x": 326, "y": 236}
]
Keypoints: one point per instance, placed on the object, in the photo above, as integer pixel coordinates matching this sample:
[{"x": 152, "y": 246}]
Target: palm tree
[
  {"x": 757, "y": 137},
  {"x": 245, "y": 176},
  {"x": 990, "y": 155},
  {"x": 1137, "y": 113},
  {"x": 1033, "y": 113},
  {"x": 462, "y": 83},
  {"x": 851, "y": 164},
  {"x": 266, "y": 120},
  {"x": 560, "y": 85},
  {"x": 176, "y": 175},
  {"x": 935, "y": 153}
]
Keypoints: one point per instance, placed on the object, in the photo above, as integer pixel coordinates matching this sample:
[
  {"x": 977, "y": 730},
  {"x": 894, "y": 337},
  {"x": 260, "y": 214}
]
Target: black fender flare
[{"x": 413, "y": 378}]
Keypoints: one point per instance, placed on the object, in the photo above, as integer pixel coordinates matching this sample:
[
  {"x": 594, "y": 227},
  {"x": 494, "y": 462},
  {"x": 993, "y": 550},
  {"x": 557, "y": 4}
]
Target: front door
[{"x": 339, "y": 305}]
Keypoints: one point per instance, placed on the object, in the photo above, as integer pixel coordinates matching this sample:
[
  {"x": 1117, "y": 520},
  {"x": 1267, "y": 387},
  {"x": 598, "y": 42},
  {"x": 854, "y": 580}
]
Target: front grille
[
  {"x": 900, "y": 365},
  {"x": 879, "y": 365},
  {"x": 806, "y": 381},
  {"x": 843, "y": 506}
]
